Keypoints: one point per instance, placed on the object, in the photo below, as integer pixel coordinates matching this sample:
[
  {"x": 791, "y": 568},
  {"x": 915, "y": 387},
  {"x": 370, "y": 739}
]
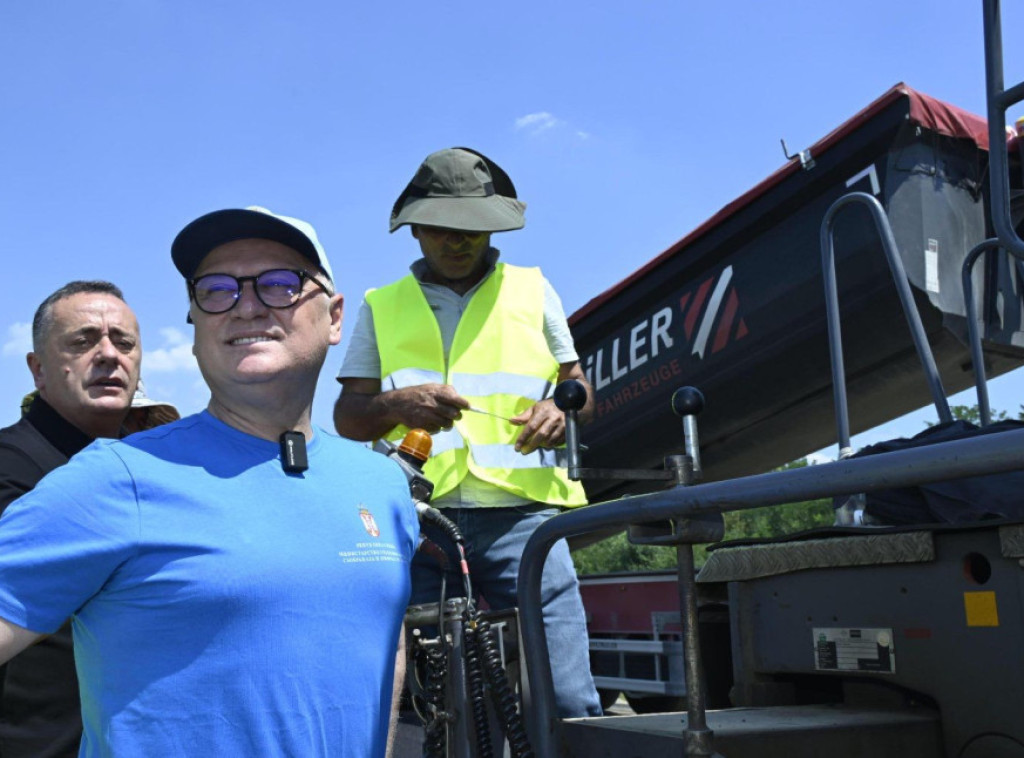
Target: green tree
[
  {"x": 972, "y": 414},
  {"x": 619, "y": 554}
]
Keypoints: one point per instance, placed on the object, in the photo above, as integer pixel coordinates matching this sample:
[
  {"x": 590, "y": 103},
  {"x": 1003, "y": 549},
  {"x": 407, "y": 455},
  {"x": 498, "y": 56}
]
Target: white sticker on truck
[
  {"x": 854, "y": 650},
  {"x": 931, "y": 266}
]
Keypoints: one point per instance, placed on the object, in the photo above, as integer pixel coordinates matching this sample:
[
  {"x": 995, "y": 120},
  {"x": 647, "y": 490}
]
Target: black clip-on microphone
[{"x": 293, "y": 452}]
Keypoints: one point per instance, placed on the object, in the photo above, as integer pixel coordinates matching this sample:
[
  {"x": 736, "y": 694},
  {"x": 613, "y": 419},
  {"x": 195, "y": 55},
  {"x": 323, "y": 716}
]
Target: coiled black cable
[
  {"x": 435, "y": 732},
  {"x": 475, "y": 687},
  {"x": 481, "y": 650},
  {"x": 504, "y": 699},
  {"x": 434, "y": 661}
]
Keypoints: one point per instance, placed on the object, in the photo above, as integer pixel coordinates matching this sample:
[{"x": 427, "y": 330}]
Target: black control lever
[
  {"x": 570, "y": 396},
  {"x": 687, "y": 402},
  {"x": 683, "y": 533}
]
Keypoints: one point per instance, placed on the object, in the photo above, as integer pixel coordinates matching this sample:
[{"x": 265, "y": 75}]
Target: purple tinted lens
[
  {"x": 279, "y": 287},
  {"x": 216, "y": 292}
]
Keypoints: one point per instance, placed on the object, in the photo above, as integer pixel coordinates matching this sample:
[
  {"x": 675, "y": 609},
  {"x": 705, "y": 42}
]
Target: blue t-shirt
[{"x": 220, "y": 606}]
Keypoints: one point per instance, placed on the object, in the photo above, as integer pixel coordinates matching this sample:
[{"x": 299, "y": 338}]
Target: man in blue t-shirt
[{"x": 235, "y": 580}]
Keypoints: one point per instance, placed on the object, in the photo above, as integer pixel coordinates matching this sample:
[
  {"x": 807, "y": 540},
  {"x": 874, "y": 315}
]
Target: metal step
[{"x": 781, "y": 732}]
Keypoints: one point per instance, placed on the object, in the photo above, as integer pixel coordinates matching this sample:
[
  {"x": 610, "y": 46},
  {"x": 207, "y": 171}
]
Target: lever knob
[
  {"x": 686, "y": 401},
  {"x": 570, "y": 395}
]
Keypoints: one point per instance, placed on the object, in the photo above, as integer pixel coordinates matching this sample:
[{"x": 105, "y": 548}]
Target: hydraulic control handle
[
  {"x": 570, "y": 397},
  {"x": 687, "y": 403}
]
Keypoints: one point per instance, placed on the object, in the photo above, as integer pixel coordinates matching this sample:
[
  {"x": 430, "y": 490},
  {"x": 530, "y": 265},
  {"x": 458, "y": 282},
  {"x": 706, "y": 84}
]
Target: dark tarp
[{"x": 957, "y": 501}]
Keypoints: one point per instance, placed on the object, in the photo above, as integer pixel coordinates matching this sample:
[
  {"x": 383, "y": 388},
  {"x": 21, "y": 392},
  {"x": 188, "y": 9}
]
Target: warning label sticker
[
  {"x": 931, "y": 266},
  {"x": 854, "y": 650}
]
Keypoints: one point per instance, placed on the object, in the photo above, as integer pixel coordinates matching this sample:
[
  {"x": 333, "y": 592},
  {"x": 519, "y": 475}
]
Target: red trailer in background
[{"x": 636, "y": 640}]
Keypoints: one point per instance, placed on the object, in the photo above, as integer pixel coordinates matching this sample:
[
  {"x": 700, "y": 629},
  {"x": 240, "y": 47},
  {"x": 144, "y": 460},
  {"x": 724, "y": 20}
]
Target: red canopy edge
[{"x": 925, "y": 111}]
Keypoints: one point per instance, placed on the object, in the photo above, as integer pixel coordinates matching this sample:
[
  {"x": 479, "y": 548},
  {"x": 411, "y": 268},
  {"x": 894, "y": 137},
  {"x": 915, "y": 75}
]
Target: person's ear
[
  {"x": 337, "y": 316},
  {"x": 36, "y": 367}
]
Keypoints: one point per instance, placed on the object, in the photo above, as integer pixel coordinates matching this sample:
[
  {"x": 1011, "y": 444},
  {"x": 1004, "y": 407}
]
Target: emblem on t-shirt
[
  {"x": 375, "y": 549},
  {"x": 368, "y": 523}
]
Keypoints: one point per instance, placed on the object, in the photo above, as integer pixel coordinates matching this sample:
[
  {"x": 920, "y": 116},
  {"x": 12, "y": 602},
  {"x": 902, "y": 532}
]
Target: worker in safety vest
[{"x": 470, "y": 349}]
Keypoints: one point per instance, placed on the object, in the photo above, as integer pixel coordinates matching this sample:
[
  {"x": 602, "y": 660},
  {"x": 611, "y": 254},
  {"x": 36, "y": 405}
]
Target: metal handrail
[
  {"x": 835, "y": 340},
  {"x": 973, "y": 338},
  {"x": 999, "y": 99},
  {"x": 993, "y": 453}
]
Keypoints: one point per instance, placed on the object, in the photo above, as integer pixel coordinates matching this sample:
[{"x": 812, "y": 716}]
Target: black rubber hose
[{"x": 436, "y": 518}]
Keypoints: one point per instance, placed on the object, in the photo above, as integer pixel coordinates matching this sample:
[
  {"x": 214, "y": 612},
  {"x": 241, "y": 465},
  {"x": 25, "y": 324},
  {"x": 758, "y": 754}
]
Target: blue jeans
[{"x": 495, "y": 540}]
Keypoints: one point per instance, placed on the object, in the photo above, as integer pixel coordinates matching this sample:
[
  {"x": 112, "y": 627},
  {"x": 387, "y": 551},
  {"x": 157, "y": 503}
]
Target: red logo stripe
[{"x": 698, "y": 303}]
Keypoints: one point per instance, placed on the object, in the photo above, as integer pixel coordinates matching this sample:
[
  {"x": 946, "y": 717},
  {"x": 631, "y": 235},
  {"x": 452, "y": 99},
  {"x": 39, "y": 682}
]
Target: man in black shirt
[{"x": 85, "y": 362}]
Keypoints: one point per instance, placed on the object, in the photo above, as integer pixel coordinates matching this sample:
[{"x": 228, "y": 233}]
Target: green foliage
[
  {"x": 618, "y": 554},
  {"x": 972, "y": 414},
  {"x": 777, "y": 520}
]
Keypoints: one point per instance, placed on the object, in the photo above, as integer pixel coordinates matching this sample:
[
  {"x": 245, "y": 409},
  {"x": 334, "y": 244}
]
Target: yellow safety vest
[{"x": 499, "y": 361}]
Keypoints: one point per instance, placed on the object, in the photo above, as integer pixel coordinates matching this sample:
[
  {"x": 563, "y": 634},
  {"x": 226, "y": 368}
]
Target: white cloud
[
  {"x": 174, "y": 354},
  {"x": 19, "y": 339},
  {"x": 536, "y": 123}
]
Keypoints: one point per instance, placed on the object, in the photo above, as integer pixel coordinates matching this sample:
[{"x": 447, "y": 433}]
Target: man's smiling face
[{"x": 252, "y": 343}]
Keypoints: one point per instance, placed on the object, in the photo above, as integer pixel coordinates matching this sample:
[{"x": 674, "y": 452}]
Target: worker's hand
[
  {"x": 431, "y": 407},
  {"x": 543, "y": 426}
]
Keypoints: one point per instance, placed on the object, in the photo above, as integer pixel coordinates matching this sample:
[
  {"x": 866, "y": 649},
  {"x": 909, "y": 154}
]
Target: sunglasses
[{"x": 276, "y": 288}]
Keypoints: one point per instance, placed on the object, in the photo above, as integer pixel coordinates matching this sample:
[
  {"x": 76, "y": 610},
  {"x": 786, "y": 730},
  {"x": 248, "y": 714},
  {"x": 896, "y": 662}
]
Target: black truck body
[{"x": 736, "y": 307}]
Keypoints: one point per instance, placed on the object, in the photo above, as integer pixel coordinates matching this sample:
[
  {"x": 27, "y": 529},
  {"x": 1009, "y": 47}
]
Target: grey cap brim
[
  {"x": 495, "y": 213},
  {"x": 196, "y": 240}
]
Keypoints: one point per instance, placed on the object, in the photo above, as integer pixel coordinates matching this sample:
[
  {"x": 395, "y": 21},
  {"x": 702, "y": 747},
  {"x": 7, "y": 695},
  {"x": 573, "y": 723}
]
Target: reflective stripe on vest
[
  {"x": 410, "y": 377},
  {"x": 497, "y": 383},
  {"x": 445, "y": 440},
  {"x": 502, "y": 328},
  {"x": 505, "y": 456},
  {"x": 500, "y": 383}
]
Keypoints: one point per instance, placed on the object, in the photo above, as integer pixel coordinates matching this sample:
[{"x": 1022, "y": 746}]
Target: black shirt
[{"x": 40, "y": 715}]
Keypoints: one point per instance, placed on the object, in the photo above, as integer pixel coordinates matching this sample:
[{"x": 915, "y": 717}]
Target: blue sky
[{"x": 623, "y": 125}]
